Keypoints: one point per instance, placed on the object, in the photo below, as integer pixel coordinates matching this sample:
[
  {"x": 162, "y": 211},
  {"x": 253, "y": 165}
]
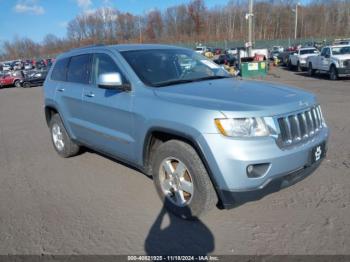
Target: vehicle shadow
[{"x": 178, "y": 236}]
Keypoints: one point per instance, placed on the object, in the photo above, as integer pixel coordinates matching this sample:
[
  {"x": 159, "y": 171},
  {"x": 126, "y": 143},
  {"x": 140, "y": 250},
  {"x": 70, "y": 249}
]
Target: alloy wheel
[
  {"x": 176, "y": 181},
  {"x": 57, "y": 137}
]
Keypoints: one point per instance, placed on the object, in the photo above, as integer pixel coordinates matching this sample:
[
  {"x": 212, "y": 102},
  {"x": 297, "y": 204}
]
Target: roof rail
[{"x": 87, "y": 46}]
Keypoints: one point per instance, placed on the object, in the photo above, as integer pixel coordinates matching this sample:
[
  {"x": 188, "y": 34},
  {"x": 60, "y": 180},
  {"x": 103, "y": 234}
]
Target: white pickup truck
[
  {"x": 334, "y": 60},
  {"x": 298, "y": 59}
]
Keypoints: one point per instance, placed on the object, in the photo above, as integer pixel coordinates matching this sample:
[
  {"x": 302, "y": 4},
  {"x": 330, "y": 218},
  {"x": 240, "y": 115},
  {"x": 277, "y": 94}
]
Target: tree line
[{"x": 192, "y": 22}]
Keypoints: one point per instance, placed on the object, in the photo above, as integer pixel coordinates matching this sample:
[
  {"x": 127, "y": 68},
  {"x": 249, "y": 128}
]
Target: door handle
[
  {"x": 60, "y": 90},
  {"x": 90, "y": 94}
]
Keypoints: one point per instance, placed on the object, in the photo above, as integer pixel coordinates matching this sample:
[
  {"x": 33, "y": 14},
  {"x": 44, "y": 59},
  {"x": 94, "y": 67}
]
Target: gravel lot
[{"x": 90, "y": 204}]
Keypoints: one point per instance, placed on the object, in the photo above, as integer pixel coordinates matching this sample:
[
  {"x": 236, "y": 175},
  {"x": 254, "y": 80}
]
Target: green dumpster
[{"x": 254, "y": 69}]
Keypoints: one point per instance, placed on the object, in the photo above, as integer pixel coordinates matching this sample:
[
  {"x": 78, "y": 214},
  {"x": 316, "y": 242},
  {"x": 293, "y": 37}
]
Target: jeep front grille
[
  {"x": 301, "y": 126},
  {"x": 347, "y": 63}
]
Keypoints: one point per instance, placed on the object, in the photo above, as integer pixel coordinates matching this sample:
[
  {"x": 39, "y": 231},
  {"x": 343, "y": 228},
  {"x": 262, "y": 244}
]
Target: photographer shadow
[{"x": 179, "y": 237}]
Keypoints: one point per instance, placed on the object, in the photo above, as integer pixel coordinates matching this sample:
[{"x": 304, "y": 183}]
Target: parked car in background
[
  {"x": 225, "y": 59},
  {"x": 10, "y": 80},
  {"x": 40, "y": 64},
  {"x": 277, "y": 48},
  {"x": 34, "y": 79},
  {"x": 7, "y": 67},
  {"x": 284, "y": 57},
  {"x": 333, "y": 60},
  {"x": 206, "y": 138},
  {"x": 18, "y": 65},
  {"x": 274, "y": 55},
  {"x": 298, "y": 60},
  {"x": 232, "y": 51},
  {"x": 28, "y": 66},
  {"x": 49, "y": 62},
  {"x": 343, "y": 41},
  {"x": 201, "y": 49},
  {"x": 218, "y": 51}
]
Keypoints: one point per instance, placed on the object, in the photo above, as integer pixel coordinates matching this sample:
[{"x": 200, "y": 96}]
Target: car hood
[
  {"x": 307, "y": 55},
  {"x": 342, "y": 57},
  {"x": 238, "y": 97}
]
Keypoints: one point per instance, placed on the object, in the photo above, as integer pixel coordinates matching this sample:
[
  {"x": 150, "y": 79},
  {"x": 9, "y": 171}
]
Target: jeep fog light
[{"x": 257, "y": 170}]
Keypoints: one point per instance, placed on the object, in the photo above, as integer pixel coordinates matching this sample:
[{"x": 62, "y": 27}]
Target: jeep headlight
[
  {"x": 242, "y": 127},
  {"x": 341, "y": 63}
]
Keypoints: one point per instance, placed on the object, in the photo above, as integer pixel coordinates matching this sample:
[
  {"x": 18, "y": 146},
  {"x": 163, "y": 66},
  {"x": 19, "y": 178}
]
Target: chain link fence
[{"x": 259, "y": 43}]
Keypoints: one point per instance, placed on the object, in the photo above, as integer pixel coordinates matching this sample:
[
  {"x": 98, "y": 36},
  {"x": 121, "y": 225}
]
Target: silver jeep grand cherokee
[{"x": 206, "y": 138}]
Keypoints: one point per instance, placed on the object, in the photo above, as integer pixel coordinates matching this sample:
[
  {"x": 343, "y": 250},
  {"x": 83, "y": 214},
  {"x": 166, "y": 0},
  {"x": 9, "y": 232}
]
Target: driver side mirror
[
  {"x": 112, "y": 81},
  {"x": 327, "y": 56}
]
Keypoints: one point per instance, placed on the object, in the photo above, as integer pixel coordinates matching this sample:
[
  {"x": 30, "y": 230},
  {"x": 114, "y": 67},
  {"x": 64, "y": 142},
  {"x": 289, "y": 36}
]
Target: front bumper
[
  {"x": 231, "y": 199},
  {"x": 343, "y": 71},
  {"x": 228, "y": 159},
  {"x": 303, "y": 64}
]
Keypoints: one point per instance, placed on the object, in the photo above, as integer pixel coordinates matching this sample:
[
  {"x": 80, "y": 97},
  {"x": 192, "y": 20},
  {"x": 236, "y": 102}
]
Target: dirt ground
[{"x": 90, "y": 204}]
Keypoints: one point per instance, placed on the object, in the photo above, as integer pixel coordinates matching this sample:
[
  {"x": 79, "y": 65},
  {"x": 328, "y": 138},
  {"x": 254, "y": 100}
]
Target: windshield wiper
[
  {"x": 172, "y": 82},
  {"x": 182, "y": 81},
  {"x": 210, "y": 78}
]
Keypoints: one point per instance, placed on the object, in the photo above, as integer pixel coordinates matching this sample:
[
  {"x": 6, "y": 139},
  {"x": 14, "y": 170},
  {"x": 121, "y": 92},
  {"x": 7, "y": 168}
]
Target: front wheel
[
  {"x": 310, "y": 70},
  {"x": 182, "y": 181},
  {"x": 333, "y": 74},
  {"x": 299, "y": 69},
  {"x": 17, "y": 84}
]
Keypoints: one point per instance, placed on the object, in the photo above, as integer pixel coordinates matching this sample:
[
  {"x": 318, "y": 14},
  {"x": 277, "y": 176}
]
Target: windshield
[
  {"x": 163, "y": 67},
  {"x": 341, "y": 50},
  {"x": 308, "y": 51}
]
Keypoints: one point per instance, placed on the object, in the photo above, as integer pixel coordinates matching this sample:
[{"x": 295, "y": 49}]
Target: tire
[
  {"x": 290, "y": 66},
  {"x": 310, "y": 71},
  {"x": 195, "y": 202},
  {"x": 299, "y": 69},
  {"x": 333, "y": 74},
  {"x": 61, "y": 141},
  {"x": 17, "y": 84},
  {"x": 26, "y": 85}
]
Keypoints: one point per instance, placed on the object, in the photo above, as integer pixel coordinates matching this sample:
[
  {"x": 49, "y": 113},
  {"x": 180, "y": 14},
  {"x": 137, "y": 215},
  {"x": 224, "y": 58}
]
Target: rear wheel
[
  {"x": 61, "y": 141},
  {"x": 182, "y": 181},
  {"x": 333, "y": 74}
]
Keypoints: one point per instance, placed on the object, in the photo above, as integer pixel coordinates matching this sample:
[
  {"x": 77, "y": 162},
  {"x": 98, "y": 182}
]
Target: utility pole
[
  {"x": 250, "y": 27},
  {"x": 140, "y": 30},
  {"x": 296, "y": 21}
]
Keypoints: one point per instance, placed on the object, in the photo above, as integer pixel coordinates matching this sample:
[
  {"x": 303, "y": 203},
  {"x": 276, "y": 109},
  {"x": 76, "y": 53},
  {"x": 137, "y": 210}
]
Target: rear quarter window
[{"x": 59, "y": 72}]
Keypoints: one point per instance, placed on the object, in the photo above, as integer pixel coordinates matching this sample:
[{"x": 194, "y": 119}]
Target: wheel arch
[
  {"x": 332, "y": 65},
  {"x": 160, "y": 135},
  {"x": 50, "y": 110}
]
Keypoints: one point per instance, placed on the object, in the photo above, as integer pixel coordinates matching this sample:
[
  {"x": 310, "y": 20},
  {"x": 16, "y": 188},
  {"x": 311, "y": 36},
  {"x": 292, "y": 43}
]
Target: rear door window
[
  {"x": 60, "y": 70},
  {"x": 79, "y": 69}
]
